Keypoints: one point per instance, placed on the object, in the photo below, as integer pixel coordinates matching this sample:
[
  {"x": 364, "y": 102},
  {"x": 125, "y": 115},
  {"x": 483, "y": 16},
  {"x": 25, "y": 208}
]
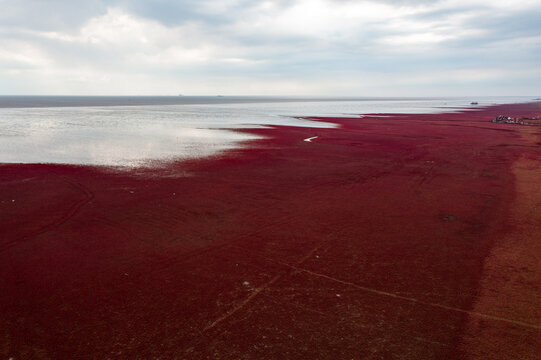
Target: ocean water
[{"x": 148, "y": 131}]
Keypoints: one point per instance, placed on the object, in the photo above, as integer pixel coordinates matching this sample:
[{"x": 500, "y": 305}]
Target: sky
[{"x": 281, "y": 47}]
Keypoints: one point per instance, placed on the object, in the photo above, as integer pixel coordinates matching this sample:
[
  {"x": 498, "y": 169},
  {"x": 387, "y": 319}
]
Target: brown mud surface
[{"x": 399, "y": 237}]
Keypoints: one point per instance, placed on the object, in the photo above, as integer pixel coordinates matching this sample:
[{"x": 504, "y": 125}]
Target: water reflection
[
  {"x": 99, "y": 137},
  {"x": 137, "y": 135},
  {"x": 125, "y": 136}
]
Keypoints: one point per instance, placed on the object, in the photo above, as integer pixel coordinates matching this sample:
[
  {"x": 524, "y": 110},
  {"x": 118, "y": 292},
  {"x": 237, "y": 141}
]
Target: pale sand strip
[{"x": 511, "y": 283}]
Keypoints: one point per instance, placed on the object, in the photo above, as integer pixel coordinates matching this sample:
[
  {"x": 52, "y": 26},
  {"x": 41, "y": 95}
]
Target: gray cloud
[
  {"x": 240, "y": 46},
  {"x": 49, "y": 15}
]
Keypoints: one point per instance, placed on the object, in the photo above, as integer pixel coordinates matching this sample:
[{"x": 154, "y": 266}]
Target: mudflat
[{"x": 394, "y": 236}]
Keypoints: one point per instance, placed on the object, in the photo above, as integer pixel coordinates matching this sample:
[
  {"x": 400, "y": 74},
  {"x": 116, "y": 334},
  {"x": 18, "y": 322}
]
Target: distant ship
[{"x": 474, "y": 103}]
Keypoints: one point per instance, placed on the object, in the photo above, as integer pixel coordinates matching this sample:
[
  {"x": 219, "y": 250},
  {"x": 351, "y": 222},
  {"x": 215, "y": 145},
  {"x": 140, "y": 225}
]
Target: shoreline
[{"x": 371, "y": 239}]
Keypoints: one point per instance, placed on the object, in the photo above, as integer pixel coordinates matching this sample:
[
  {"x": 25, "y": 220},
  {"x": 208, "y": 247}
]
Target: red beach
[{"x": 387, "y": 237}]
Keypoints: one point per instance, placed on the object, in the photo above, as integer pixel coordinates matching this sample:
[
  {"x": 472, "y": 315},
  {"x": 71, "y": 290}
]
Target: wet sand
[
  {"x": 510, "y": 286},
  {"x": 407, "y": 237}
]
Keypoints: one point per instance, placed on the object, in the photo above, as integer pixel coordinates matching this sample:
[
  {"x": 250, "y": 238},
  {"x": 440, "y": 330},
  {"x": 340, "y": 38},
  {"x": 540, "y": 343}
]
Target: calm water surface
[{"x": 138, "y": 131}]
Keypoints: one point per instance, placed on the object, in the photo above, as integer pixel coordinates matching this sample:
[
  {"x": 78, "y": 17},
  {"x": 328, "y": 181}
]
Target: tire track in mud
[
  {"x": 478, "y": 314},
  {"x": 239, "y": 306},
  {"x": 72, "y": 211}
]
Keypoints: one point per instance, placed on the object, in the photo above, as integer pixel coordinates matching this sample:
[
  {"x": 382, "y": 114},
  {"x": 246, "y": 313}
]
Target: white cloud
[
  {"x": 298, "y": 46},
  {"x": 318, "y": 19},
  {"x": 17, "y": 54}
]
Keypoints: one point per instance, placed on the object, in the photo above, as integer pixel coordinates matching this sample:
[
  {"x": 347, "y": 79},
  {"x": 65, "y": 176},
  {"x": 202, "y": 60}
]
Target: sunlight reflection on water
[{"x": 136, "y": 135}]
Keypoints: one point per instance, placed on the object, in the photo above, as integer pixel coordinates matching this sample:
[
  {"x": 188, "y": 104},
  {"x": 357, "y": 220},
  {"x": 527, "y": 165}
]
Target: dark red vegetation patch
[{"x": 367, "y": 242}]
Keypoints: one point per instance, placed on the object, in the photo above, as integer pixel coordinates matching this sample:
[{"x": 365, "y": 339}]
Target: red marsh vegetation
[{"x": 387, "y": 237}]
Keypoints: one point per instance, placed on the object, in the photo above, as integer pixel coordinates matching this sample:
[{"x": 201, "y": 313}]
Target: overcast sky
[{"x": 281, "y": 47}]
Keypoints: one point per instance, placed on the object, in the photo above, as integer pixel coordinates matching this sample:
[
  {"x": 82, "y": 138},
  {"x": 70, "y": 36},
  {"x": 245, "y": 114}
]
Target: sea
[{"x": 145, "y": 131}]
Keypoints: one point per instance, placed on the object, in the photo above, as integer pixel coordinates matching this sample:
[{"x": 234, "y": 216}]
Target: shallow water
[{"x": 138, "y": 131}]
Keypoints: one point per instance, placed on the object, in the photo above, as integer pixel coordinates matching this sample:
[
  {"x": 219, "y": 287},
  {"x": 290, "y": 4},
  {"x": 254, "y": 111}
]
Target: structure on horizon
[{"x": 531, "y": 121}]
